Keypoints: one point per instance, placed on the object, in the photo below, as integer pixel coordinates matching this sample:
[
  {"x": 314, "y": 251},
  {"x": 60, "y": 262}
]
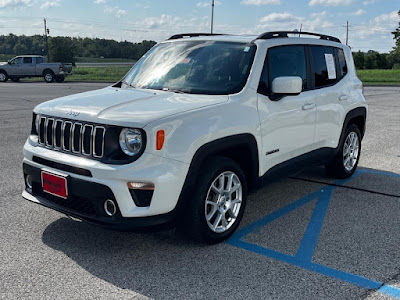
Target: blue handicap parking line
[{"x": 305, "y": 252}]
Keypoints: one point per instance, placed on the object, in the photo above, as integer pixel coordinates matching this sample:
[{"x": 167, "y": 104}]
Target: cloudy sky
[{"x": 371, "y": 21}]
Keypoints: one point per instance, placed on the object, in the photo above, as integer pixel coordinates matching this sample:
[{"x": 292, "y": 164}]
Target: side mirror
[
  {"x": 9, "y": 62},
  {"x": 287, "y": 85}
]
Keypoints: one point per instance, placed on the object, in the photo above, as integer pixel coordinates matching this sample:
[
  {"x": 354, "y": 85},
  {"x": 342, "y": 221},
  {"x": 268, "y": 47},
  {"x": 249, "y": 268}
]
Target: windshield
[{"x": 198, "y": 67}]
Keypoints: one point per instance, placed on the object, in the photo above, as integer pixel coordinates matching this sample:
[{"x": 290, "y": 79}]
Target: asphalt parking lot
[{"x": 302, "y": 237}]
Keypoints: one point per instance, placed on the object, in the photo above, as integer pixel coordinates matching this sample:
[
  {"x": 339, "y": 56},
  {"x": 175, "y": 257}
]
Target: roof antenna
[{"x": 212, "y": 16}]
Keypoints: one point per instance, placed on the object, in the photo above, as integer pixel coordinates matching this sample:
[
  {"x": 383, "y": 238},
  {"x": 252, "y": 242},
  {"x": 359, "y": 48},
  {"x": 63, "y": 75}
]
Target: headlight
[
  {"x": 131, "y": 141},
  {"x": 37, "y": 123}
]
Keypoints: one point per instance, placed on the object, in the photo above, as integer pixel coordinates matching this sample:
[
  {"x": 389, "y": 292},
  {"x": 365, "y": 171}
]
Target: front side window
[
  {"x": 197, "y": 67},
  {"x": 324, "y": 68},
  {"x": 16, "y": 61},
  {"x": 27, "y": 60},
  {"x": 39, "y": 60}
]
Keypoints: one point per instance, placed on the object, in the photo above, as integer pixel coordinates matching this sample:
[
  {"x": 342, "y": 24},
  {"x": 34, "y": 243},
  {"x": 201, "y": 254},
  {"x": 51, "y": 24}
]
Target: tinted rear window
[{"x": 324, "y": 65}]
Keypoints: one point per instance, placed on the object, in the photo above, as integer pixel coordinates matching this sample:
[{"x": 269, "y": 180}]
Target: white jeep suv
[{"x": 194, "y": 126}]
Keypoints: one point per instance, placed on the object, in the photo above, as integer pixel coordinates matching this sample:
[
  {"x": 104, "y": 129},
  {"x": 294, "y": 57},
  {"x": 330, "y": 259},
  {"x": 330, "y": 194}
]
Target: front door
[{"x": 287, "y": 124}]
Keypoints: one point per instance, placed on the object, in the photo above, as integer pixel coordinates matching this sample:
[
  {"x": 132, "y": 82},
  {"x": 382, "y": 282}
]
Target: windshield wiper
[
  {"x": 128, "y": 84},
  {"x": 177, "y": 91}
]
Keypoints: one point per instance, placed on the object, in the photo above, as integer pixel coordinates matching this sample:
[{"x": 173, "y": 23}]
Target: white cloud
[
  {"x": 49, "y": 4},
  {"x": 9, "y": 3},
  {"x": 260, "y": 2},
  {"x": 164, "y": 20},
  {"x": 206, "y": 4},
  {"x": 359, "y": 12},
  {"x": 99, "y": 1},
  {"x": 330, "y": 2},
  {"x": 279, "y": 17},
  {"x": 376, "y": 32},
  {"x": 115, "y": 10},
  {"x": 286, "y": 21},
  {"x": 368, "y": 2}
]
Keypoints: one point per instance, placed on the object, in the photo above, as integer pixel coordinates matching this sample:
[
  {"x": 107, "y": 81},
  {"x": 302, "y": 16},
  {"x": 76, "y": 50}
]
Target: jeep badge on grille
[{"x": 73, "y": 113}]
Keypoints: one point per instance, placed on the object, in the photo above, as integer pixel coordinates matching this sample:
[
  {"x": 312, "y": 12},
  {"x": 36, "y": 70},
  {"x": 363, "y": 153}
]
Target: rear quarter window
[{"x": 342, "y": 63}]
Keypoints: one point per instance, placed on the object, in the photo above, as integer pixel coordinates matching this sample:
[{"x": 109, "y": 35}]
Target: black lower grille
[{"x": 79, "y": 205}]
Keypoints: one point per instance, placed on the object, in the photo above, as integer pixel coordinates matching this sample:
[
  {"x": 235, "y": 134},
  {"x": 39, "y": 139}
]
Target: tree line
[{"x": 66, "y": 49}]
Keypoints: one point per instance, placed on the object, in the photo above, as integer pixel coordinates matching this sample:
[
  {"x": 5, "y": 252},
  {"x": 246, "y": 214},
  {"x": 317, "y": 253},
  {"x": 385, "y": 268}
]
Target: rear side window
[
  {"x": 324, "y": 65},
  {"x": 342, "y": 63}
]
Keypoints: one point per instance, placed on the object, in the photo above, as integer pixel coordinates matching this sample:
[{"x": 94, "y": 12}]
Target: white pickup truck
[{"x": 33, "y": 66}]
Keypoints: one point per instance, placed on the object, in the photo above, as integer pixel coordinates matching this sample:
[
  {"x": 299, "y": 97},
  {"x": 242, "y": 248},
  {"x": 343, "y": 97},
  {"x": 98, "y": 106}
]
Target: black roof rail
[
  {"x": 183, "y": 35},
  {"x": 281, "y": 34}
]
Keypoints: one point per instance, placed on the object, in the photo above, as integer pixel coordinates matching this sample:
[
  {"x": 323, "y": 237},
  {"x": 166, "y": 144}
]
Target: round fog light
[
  {"x": 28, "y": 181},
  {"x": 109, "y": 207}
]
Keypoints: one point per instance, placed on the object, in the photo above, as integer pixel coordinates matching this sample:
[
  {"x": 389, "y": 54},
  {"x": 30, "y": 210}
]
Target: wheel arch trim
[{"x": 215, "y": 148}]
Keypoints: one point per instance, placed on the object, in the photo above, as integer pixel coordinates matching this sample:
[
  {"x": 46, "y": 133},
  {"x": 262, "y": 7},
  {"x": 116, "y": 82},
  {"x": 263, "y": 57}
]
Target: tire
[
  {"x": 15, "y": 79},
  {"x": 48, "y": 76},
  {"x": 346, "y": 160},
  {"x": 60, "y": 78},
  {"x": 213, "y": 212},
  {"x": 3, "y": 76}
]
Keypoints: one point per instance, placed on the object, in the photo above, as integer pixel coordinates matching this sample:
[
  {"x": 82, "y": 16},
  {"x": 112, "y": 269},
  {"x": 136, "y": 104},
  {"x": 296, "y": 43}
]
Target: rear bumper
[{"x": 86, "y": 202}]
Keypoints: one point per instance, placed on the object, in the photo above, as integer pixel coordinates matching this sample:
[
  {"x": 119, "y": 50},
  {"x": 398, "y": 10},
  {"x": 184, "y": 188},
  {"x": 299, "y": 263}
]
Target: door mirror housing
[
  {"x": 9, "y": 62},
  {"x": 287, "y": 85}
]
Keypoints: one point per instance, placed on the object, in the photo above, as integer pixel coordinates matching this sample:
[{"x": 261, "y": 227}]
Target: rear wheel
[
  {"x": 346, "y": 160},
  {"x": 3, "y": 76},
  {"x": 48, "y": 76},
  {"x": 217, "y": 205}
]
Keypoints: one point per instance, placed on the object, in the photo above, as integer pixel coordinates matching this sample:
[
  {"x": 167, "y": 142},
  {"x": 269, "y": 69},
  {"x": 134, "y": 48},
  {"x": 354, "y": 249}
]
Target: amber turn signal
[{"x": 160, "y": 139}]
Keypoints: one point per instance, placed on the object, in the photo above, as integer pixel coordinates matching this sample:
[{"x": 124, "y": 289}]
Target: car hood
[
  {"x": 125, "y": 107},
  {"x": 3, "y": 63}
]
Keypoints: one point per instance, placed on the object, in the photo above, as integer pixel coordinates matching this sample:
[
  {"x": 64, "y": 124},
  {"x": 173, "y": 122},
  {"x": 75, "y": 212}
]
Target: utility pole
[
  {"x": 301, "y": 27},
  {"x": 212, "y": 16},
  {"x": 347, "y": 33},
  {"x": 46, "y": 32}
]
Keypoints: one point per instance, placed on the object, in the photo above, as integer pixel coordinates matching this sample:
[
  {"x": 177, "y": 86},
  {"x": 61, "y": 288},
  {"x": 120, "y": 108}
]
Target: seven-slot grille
[{"x": 71, "y": 136}]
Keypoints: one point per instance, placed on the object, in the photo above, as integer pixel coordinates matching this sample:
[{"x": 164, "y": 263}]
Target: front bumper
[
  {"x": 87, "y": 194},
  {"x": 86, "y": 202}
]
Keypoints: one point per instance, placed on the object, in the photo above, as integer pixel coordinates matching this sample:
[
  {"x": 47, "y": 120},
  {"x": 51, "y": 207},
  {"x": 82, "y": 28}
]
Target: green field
[
  {"x": 114, "y": 73},
  {"x": 110, "y": 73},
  {"x": 380, "y": 77}
]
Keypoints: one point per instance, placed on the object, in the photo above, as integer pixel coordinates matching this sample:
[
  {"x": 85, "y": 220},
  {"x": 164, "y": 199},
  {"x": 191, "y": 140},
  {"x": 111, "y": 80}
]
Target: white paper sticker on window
[{"x": 330, "y": 64}]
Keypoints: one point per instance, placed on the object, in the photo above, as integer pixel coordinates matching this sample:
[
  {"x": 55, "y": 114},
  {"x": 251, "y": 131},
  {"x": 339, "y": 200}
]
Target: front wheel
[
  {"x": 346, "y": 160},
  {"x": 3, "y": 76},
  {"x": 218, "y": 202},
  {"x": 48, "y": 76}
]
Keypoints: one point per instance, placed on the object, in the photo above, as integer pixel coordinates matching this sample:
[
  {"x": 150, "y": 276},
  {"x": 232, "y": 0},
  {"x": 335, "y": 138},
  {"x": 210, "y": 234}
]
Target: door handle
[
  {"x": 343, "y": 97},
  {"x": 308, "y": 106}
]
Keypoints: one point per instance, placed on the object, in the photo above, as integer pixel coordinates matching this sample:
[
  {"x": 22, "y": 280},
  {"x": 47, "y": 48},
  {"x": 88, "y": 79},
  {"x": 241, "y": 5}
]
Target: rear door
[
  {"x": 287, "y": 124},
  {"x": 332, "y": 95}
]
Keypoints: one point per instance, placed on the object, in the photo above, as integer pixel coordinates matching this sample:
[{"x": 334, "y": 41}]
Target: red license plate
[{"x": 55, "y": 184}]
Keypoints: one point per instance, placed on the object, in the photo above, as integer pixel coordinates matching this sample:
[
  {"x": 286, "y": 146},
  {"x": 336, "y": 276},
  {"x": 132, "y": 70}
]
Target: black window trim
[{"x": 309, "y": 68}]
